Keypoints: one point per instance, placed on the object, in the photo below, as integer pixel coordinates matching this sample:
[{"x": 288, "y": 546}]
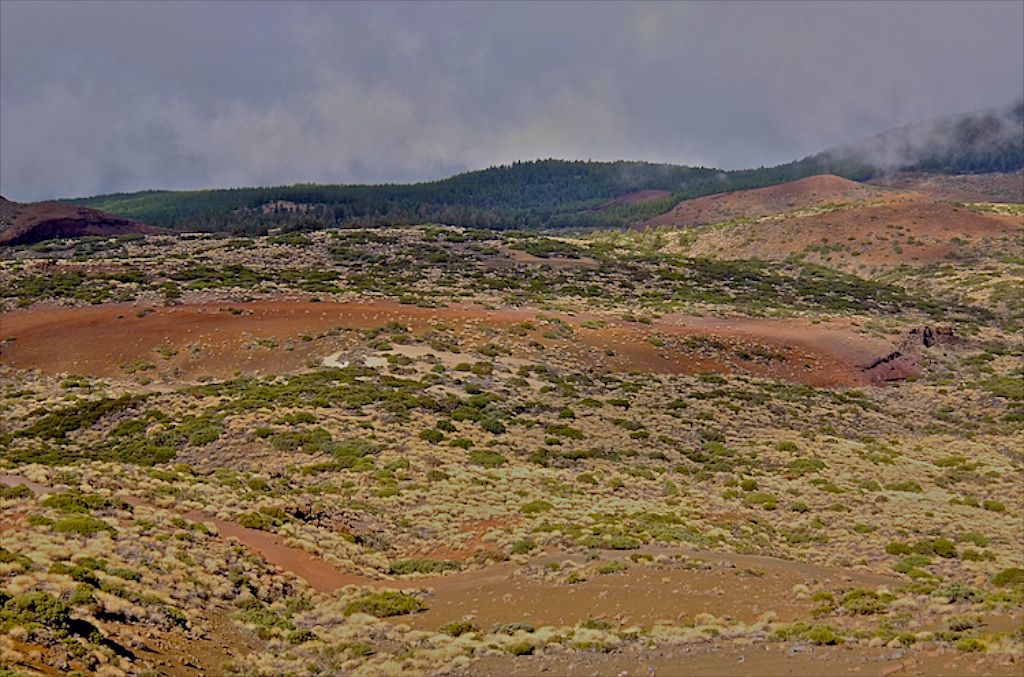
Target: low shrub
[
  {"x": 459, "y": 628},
  {"x": 908, "y": 486},
  {"x": 1011, "y": 577},
  {"x": 83, "y": 524},
  {"x": 488, "y": 459},
  {"x": 520, "y": 649},
  {"x": 422, "y": 566},
  {"x": 761, "y": 499},
  {"x": 523, "y": 546},
  {"x": 15, "y": 492},
  {"x": 535, "y": 507},
  {"x": 384, "y": 604}
]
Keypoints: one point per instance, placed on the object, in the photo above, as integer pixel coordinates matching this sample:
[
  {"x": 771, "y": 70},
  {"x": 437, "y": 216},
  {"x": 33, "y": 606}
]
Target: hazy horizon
[{"x": 130, "y": 97}]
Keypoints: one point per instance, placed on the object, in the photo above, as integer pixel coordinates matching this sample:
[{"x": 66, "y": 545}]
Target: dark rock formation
[{"x": 30, "y": 223}]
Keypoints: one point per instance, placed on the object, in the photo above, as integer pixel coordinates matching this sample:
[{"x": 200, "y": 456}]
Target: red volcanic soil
[
  {"x": 223, "y": 339},
  {"x": 217, "y": 339},
  {"x": 808, "y": 192},
  {"x": 911, "y": 231},
  {"x": 996, "y": 187},
  {"x": 816, "y": 354},
  {"x": 635, "y": 198},
  {"x": 28, "y": 223}
]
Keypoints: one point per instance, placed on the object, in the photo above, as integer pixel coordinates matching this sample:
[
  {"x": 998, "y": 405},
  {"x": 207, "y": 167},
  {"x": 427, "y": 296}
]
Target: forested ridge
[{"x": 570, "y": 193}]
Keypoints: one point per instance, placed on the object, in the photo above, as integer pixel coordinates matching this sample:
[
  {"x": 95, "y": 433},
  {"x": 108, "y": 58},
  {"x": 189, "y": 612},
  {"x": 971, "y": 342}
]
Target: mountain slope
[
  {"x": 970, "y": 143},
  {"x": 866, "y": 238},
  {"x": 994, "y": 187}
]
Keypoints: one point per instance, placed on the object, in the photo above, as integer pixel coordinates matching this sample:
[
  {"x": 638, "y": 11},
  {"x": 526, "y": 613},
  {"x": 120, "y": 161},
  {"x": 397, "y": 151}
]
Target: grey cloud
[
  {"x": 100, "y": 97},
  {"x": 965, "y": 136}
]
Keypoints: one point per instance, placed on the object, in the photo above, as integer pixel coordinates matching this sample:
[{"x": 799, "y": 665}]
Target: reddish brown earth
[
  {"x": 812, "y": 191},
  {"x": 994, "y": 187},
  {"x": 735, "y": 587},
  {"x": 98, "y": 340},
  {"x": 824, "y": 355},
  {"x": 28, "y": 223},
  {"x": 221, "y": 339}
]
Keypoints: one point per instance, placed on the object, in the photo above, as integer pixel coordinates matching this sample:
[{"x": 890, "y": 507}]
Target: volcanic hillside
[
  {"x": 915, "y": 232},
  {"x": 29, "y": 223},
  {"x": 994, "y": 187},
  {"x": 853, "y": 227},
  {"x": 813, "y": 191}
]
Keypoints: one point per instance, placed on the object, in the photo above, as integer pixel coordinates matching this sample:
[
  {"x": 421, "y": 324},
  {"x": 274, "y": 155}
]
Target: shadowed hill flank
[
  {"x": 813, "y": 191},
  {"x": 30, "y": 223}
]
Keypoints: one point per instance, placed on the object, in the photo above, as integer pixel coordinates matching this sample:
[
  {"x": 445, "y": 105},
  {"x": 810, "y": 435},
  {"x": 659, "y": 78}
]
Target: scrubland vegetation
[{"x": 419, "y": 495}]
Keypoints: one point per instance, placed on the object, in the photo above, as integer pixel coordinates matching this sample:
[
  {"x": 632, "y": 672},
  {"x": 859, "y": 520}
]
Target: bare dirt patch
[
  {"x": 223, "y": 339},
  {"x": 733, "y": 587},
  {"x": 216, "y": 339},
  {"x": 790, "y": 349}
]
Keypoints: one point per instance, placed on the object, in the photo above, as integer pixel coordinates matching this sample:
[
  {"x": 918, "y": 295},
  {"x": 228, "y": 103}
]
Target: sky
[{"x": 124, "y": 96}]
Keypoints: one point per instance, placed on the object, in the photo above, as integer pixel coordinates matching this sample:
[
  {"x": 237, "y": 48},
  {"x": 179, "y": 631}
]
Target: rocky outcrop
[
  {"x": 930, "y": 336},
  {"x": 897, "y": 363},
  {"x": 884, "y": 360}
]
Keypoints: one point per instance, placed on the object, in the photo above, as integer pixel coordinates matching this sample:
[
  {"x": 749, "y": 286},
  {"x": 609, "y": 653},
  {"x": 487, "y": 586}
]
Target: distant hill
[
  {"x": 29, "y": 223},
  {"x": 868, "y": 238},
  {"x": 562, "y": 193},
  {"x": 542, "y": 193}
]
